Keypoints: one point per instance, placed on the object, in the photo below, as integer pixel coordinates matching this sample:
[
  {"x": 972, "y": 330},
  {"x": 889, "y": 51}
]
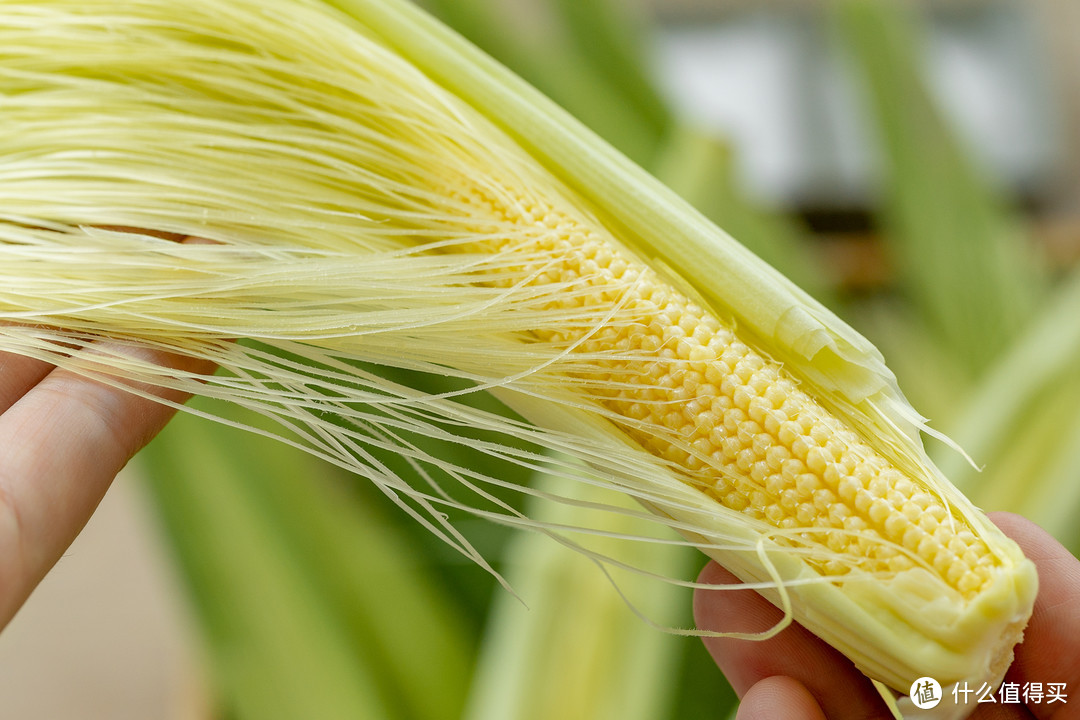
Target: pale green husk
[{"x": 318, "y": 151}]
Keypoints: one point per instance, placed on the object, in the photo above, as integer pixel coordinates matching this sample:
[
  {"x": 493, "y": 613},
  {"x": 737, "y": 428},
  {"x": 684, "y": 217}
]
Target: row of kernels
[
  {"x": 973, "y": 581},
  {"x": 747, "y": 417},
  {"x": 779, "y": 459}
]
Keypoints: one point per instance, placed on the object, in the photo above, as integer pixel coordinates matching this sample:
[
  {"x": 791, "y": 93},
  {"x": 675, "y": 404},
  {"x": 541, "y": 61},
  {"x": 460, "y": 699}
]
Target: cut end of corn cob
[{"x": 364, "y": 214}]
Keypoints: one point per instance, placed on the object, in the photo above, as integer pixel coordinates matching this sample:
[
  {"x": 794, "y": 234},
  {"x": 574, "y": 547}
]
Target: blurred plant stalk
[
  {"x": 701, "y": 167},
  {"x": 312, "y": 604},
  {"x": 965, "y": 261},
  {"x": 1024, "y": 423},
  {"x": 993, "y": 344},
  {"x": 570, "y": 645}
]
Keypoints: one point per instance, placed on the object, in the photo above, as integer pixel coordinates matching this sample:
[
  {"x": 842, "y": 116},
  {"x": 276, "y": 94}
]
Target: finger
[
  {"x": 838, "y": 688},
  {"x": 17, "y": 375},
  {"x": 63, "y": 443},
  {"x": 779, "y": 697},
  {"x": 1049, "y": 651}
]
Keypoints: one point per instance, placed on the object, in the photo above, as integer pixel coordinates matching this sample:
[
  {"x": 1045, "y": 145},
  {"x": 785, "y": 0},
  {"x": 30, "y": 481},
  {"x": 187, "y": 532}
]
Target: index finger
[
  {"x": 834, "y": 682},
  {"x": 62, "y": 444},
  {"x": 1050, "y": 651},
  {"x": 63, "y": 438}
]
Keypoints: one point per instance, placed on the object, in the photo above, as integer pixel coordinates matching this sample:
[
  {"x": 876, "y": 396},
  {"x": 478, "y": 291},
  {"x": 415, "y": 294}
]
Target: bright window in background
[{"x": 771, "y": 81}]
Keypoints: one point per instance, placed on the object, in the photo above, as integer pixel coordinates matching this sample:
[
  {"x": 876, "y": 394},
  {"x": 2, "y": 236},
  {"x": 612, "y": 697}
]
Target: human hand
[
  {"x": 63, "y": 438},
  {"x": 796, "y": 676}
]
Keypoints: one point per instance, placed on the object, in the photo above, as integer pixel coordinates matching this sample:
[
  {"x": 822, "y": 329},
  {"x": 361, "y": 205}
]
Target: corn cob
[
  {"x": 742, "y": 431},
  {"x": 704, "y": 401},
  {"x": 737, "y": 410}
]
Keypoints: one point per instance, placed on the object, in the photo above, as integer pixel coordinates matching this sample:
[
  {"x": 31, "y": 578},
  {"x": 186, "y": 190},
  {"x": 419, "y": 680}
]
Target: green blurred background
[{"x": 914, "y": 165}]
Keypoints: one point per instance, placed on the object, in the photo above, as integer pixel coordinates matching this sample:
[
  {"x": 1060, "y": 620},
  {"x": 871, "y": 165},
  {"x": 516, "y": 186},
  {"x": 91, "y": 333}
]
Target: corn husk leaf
[
  {"x": 804, "y": 333},
  {"x": 701, "y": 168},
  {"x": 964, "y": 258},
  {"x": 561, "y": 69}
]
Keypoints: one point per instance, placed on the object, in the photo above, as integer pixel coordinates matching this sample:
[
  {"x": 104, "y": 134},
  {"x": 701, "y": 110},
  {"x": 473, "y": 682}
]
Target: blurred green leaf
[
  {"x": 313, "y": 605},
  {"x": 700, "y": 167},
  {"x": 962, "y": 254},
  {"x": 1023, "y": 424},
  {"x": 571, "y": 647},
  {"x": 556, "y": 68},
  {"x": 936, "y": 382},
  {"x": 613, "y": 40}
]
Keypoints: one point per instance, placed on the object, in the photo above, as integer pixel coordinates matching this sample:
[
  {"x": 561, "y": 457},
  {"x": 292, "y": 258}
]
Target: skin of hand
[
  {"x": 63, "y": 439},
  {"x": 796, "y": 676}
]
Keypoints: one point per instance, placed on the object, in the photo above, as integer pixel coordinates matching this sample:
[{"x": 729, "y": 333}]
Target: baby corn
[{"x": 380, "y": 194}]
